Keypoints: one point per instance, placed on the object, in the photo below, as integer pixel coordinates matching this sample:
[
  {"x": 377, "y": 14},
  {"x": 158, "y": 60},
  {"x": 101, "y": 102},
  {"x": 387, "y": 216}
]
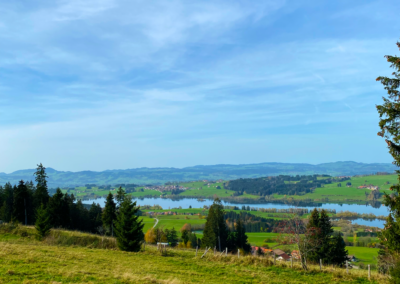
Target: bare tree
[{"x": 294, "y": 231}]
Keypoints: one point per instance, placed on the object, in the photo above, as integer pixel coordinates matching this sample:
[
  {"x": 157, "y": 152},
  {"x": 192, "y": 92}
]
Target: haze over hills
[{"x": 211, "y": 172}]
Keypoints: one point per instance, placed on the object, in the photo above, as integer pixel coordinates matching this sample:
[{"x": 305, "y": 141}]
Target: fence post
[
  {"x": 320, "y": 264},
  {"x": 291, "y": 262},
  {"x": 274, "y": 258},
  {"x": 226, "y": 252},
  {"x": 347, "y": 267},
  {"x": 238, "y": 253},
  {"x": 369, "y": 272},
  {"x": 197, "y": 250},
  {"x": 214, "y": 250}
]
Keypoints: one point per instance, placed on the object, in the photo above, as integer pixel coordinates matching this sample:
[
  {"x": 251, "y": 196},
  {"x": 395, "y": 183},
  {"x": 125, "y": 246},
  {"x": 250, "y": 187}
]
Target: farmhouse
[{"x": 281, "y": 255}]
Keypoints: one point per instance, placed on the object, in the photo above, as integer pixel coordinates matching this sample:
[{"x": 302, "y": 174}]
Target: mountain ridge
[{"x": 159, "y": 175}]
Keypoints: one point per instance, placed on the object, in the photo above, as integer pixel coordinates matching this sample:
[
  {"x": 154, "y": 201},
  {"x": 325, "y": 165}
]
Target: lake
[{"x": 166, "y": 203}]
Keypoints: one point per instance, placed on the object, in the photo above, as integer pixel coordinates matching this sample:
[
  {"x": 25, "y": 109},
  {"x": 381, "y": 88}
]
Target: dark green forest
[{"x": 282, "y": 184}]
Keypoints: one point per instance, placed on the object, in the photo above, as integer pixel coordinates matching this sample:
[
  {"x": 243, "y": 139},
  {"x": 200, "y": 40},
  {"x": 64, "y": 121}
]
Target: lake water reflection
[{"x": 167, "y": 203}]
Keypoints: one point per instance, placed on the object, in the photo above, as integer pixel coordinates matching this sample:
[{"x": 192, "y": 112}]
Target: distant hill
[{"x": 214, "y": 172}]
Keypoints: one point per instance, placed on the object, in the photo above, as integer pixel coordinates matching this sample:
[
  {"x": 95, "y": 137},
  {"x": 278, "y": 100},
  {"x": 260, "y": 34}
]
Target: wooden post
[
  {"x": 214, "y": 250},
  {"x": 197, "y": 248},
  {"x": 369, "y": 272},
  {"x": 226, "y": 252},
  {"x": 238, "y": 253},
  {"x": 274, "y": 258},
  {"x": 347, "y": 267},
  {"x": 320, "y": 264},
  {"x": 205, "y": 252},
  {"x": 291, "y": 262}
]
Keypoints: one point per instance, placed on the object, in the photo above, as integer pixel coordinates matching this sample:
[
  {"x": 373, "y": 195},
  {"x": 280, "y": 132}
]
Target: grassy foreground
[{"x": 26, "y": 260}]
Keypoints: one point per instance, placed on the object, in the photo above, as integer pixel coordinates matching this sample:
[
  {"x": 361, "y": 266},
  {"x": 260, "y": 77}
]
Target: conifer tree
[
  {"x": 119, "y": 198},
  {"x": 314, "y": 222},
  {"x": 389, "y": 113},
  {"x": 21, "y": 199},
  {"x": 43, "y": 222},
  {"x": 95, "y": 217},
  {"x": 7, "y": 208},
  {"x": 241, "y": 237},
  {"x": 41, "y": 193},
  {"x": 59, "y": 210},
  {"x": 338, "y": 253},
  {"x": 109, "y": 213},
  {"x": 128, "y": 227},
  {"x": 326, "y": 231},
  {"x": 215, "y": 232},
  {"x": 172, "y": 237}
]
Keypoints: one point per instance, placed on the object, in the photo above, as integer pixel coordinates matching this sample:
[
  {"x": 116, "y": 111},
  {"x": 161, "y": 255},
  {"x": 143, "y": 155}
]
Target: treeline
[
  {"x": 250, "y": 222},
  {"x": 32, "y": 205},
  {"x": 282, "y": 184},
  {"x": 20, "y": 203},
  {"x": 355, "y": 215}
]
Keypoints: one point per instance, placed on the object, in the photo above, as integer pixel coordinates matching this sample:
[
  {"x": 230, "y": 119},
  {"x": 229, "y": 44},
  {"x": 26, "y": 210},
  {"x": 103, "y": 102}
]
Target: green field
[
  {"x": 200, "y": 189},
  {"x": 26, "y": 260},
  {"x": 364, "y": 255}
]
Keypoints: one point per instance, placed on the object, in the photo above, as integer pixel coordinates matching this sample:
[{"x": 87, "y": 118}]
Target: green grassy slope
[{"x": 29, "y": 261}]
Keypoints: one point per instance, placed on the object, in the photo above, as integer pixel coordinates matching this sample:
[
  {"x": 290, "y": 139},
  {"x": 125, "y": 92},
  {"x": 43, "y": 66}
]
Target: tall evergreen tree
[
  {"x": 43, "y": 222},
  {"x": 119, "y": 198},
  {"x": 41, "y": 193},
  {"x": 109, "y": 213},
  {"x": 7, "y": 208},
  {"x": 338, "y": 253},
  {"x": 59, "y": 210},
  {"x": 20, "y": 205},
  {"x": 95, "y": 217},
  {"x": 129, "y": 228},
  {"x": 241, "y": 237},
  {"x": 389, "y": 113},
  {"x": 215, "y": 232},
  {"x": 326, "y": 231},
  {"x": 314, "y": 222},
  {"x": 172, "y": 237}
]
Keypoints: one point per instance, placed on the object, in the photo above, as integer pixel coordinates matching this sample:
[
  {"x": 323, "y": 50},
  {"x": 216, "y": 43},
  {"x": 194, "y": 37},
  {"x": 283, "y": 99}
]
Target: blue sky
[{"x": 113, "y": 84}]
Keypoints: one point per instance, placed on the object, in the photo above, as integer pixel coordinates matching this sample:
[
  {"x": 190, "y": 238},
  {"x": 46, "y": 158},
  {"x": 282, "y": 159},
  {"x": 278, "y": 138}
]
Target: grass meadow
[{"x": 23, "y": 259}]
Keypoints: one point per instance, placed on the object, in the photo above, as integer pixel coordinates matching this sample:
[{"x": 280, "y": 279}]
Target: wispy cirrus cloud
[{"x": 136, "y": 78}]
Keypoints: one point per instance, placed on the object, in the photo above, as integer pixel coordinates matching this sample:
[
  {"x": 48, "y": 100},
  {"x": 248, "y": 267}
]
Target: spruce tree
[
  {"x": 59, "y": 210},
  {"x": 109, "y": 213},
  {"x": 215, "y": 232},
  {"x": 95, "y": 217},
  {"x": 172, "y": 237},
  {"x": 241, "y": 237},
  {"x": 326, "y": 231},
  {"x": 119, "y": 198},
  {"x": 7, "y": 208},
  {"x": 21, "y": 199},
  {"x": 128, "y": 227},
  {"x": 314, "y": 222},
  {"x": 338, "y": 253},
  {"x": 41, "y": 194},
  {"x": 43, "y": 222},
  {"x": 389, "y": 113}
]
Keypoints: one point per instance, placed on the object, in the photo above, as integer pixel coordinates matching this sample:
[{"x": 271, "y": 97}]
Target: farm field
[
  {"x": 364, "y": 254},
  {"x": 200, "y": 189},
  {"x": 177, "y": 221}
]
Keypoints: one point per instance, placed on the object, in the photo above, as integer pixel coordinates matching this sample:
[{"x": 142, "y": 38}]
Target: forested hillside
[{"x": 290, "y": 185}]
